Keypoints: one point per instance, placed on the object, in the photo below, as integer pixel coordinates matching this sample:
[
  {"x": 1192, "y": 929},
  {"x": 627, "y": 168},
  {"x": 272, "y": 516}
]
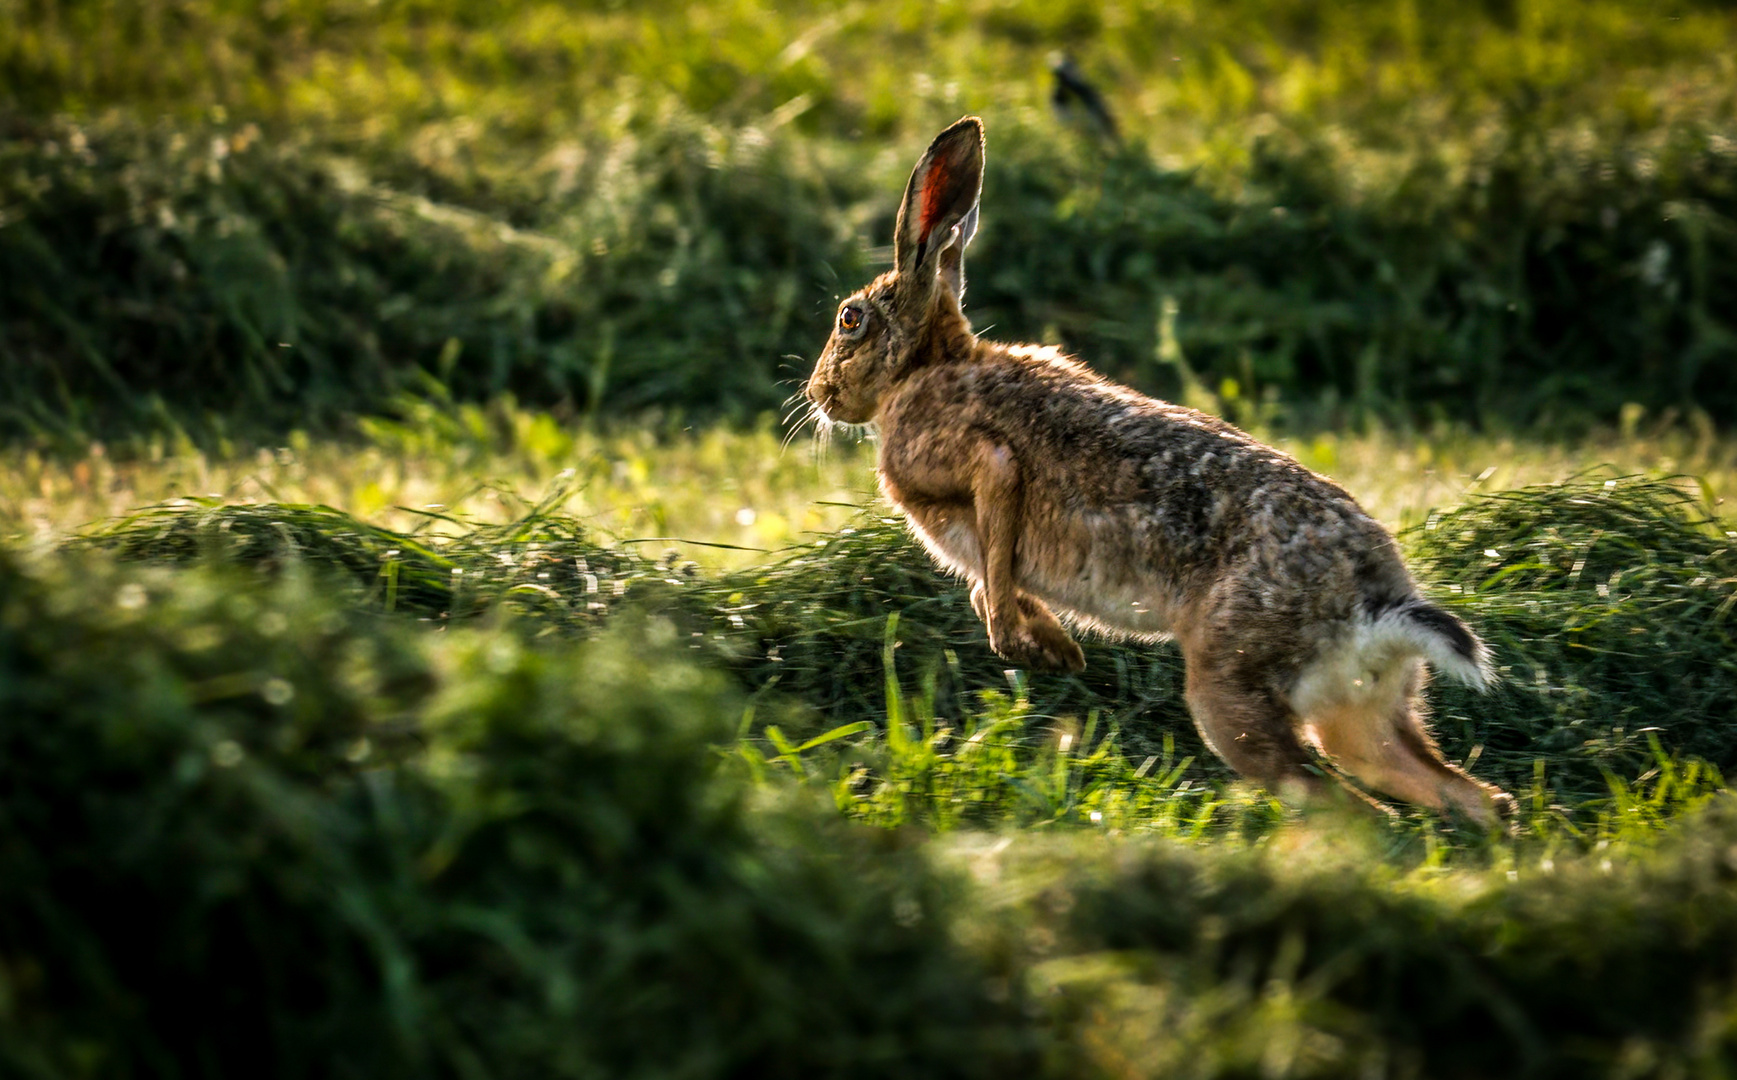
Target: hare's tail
[{"x": 1439, "y": 637}]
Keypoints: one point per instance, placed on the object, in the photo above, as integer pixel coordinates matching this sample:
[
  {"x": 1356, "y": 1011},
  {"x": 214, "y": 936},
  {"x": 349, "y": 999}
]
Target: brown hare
[{"x": 1054, "y": 490}]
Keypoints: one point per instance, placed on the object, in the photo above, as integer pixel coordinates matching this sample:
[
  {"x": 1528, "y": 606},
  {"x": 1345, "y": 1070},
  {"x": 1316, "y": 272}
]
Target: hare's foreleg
[
  {"x": 1040, "y": 622},
  {"x": 1020, "y": 627}
]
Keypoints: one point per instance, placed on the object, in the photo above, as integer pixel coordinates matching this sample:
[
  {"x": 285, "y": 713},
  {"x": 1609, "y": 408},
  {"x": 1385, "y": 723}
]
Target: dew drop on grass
[
  {"x": 907, "y": 911},
  {"x": 227, "y": 754},
  {"x": 502, "y": 656},
  {"x": 277, "y": 691}
]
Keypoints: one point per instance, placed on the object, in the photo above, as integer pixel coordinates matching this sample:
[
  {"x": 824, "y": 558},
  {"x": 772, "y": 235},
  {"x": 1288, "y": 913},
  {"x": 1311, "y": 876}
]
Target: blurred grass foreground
[{"x": 223, "y": 215}]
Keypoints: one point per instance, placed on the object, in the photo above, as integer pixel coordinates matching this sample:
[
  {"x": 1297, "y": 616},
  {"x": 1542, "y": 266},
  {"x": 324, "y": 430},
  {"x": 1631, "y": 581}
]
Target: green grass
[
  {"x": 1315, "y": 956},
  {"x": 404, "y": 777},
  {"x": 750, "y": 489},
  {"x": 248, "y": 830},
  {"x": 1607, "y": 602}
]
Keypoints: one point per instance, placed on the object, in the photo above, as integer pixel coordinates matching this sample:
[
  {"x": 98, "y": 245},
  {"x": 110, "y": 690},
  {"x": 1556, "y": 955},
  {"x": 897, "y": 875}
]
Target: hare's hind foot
[
  {"x": 1036, "y": 641},
  {"x": 1391, "y": 751}
]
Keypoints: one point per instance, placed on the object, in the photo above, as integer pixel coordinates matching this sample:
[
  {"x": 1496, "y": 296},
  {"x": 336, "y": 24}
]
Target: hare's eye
[{"x": 850, "y": 318}]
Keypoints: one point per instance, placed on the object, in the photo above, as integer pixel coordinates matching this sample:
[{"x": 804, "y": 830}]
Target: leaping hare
[{"x": 1053, "y": 489}]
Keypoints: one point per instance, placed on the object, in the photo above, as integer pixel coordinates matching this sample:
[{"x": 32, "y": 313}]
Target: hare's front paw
[{"x": 1039, "y": 646}]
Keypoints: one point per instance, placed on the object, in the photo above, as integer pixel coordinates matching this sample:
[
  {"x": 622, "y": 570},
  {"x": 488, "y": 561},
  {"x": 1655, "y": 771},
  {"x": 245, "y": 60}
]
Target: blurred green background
[{"x": 226, "y": 214}]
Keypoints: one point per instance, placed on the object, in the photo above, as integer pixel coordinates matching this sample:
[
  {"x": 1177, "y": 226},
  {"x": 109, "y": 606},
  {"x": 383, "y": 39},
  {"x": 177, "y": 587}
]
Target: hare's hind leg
[
  {"x": 1255, "y": 733},
  {"x": 1385, "y": 744}
]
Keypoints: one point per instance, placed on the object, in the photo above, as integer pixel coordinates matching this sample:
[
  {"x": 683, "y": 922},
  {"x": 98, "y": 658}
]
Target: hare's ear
[
  {"x": 939, "y": 214},
  {"x": 952, "y": 268}
]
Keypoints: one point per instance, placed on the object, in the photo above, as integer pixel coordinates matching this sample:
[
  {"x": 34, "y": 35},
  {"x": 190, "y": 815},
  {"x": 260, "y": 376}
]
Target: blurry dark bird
[{"x": 1077, "y": 102}]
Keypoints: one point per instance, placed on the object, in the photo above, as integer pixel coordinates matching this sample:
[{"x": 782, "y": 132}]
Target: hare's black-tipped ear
[{"x": 939, "y": 213}]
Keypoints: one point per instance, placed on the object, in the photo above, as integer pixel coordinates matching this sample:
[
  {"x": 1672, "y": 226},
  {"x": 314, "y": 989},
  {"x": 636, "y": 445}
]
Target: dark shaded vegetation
[
  {"x": 1608, "y": 604},
  {"x": 225, "y": 280},
  {"x": 246, "y": 831},
  {"x": 1531, "y": 290}
]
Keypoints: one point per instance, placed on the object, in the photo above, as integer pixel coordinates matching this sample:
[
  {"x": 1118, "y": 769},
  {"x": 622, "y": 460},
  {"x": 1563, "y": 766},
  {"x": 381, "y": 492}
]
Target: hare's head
[{"x": 911, "y": 314}]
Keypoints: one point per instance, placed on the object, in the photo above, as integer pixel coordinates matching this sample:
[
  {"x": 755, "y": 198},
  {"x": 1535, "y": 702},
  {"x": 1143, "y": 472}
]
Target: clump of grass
[
  {"x": 1608, "y": 601},
  {"x": 541, "y": 564},
  {"x": 1311, "y": 955},
  {"x": 1591, "y": 678},
  {"x": 213, "y": 278}
]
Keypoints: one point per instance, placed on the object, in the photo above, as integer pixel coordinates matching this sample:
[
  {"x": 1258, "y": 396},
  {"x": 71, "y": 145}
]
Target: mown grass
[
  {"x": 756, "y": 490},
  {"x": 1607, "y": 602}
]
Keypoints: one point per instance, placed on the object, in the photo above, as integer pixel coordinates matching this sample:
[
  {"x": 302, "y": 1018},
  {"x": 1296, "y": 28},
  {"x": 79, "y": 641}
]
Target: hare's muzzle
[
  {"x": 821, "y": 394},
  {"x": 844, "y": 385},
  {"x": 833, "y": 404},
  {"x": 822, "y": 390}
]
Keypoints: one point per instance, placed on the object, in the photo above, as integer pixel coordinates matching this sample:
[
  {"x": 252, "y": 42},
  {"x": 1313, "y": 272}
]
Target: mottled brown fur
[{"x": 1053, "y": 489}]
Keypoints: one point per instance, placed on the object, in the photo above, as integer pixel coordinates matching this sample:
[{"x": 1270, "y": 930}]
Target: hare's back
[
  {"x": 1142, "y": 506},
  {"x": 1105, "y": 448}
]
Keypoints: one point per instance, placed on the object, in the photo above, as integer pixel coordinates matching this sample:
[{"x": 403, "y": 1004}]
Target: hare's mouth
[{"x": 833, "y": 413}]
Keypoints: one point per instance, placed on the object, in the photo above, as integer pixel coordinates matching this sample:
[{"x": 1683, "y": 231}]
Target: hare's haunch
[{"x": 1054, "y": 490}]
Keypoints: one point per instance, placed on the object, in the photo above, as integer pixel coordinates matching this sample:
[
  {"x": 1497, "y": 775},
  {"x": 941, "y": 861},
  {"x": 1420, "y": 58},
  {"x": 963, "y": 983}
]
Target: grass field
[
  {"x": 1078, "y": 878},
  {"x": 424, "y": 652}
]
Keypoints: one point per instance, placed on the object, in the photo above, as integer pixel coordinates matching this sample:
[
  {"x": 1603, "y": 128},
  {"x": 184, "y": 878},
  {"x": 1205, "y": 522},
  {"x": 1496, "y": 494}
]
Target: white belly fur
[
  {"x": 1108, "y": 605},
  {"x": 952, "y": 544},
  {"x": 1097, "y": 599}
]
